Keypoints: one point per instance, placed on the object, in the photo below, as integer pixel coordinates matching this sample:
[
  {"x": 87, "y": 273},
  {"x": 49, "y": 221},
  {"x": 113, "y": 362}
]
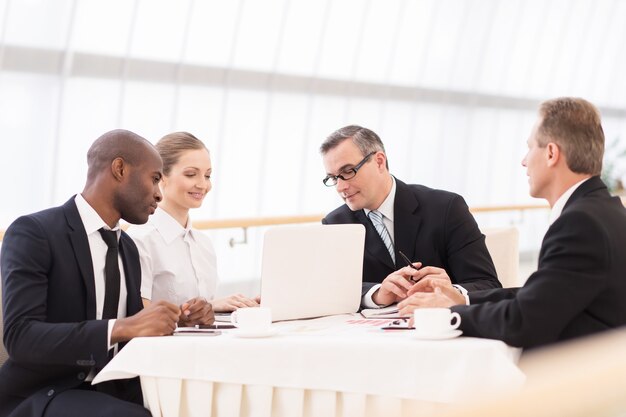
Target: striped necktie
[{"x": 377, "y": 220}]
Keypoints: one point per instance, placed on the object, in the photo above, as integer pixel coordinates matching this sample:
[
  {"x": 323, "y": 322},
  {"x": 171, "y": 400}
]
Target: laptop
[{"x": 312, "y": 270}]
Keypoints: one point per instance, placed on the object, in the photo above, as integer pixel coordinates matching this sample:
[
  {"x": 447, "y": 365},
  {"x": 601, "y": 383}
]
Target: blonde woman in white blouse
[{"x": 178, "y": 262}]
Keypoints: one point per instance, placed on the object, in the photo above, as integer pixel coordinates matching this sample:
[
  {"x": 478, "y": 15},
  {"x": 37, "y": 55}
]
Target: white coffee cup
[
  {"x": 252, "y": 319},
  {"x": 435, "y": 320}
]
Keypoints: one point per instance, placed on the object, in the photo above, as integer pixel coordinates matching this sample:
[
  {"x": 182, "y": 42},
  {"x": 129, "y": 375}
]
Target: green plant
[{"x": 614, "y": 166}]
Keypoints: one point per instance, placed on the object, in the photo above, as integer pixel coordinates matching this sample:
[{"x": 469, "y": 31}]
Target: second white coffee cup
[
  {"x": 435, "y": 320},
  {"x": 252, "y": 319}
]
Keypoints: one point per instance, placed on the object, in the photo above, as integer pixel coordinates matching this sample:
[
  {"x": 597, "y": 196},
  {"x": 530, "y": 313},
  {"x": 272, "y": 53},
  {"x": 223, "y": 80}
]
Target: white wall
[{"x": 450, "y": 86}]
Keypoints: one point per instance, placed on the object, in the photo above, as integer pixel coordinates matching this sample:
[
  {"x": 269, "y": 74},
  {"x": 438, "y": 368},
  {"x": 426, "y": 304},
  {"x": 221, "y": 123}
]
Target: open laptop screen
[{"x": 312, "y": 270}]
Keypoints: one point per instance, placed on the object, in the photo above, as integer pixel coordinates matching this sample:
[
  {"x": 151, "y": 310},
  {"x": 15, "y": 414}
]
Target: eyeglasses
[{"x": 349, "y": 173}]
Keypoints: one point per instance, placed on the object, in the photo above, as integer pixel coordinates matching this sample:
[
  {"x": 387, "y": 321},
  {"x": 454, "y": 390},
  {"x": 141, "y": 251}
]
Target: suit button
[
  {"x": 81, "y": 375},
  {"x": 50, "y": 393}
]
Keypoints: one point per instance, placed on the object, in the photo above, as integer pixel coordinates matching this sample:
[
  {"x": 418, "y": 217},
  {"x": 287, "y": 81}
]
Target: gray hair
[
  {"x": 573, "y": 124},
  {"x": 365, "y": 139}
]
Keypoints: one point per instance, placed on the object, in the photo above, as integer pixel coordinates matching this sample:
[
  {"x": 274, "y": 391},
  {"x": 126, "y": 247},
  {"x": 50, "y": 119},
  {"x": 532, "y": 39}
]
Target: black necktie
[{"x": 111, "y": 275}]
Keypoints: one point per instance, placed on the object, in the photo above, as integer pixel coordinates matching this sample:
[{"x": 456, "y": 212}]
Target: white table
[{"x": 332, "y": 366}]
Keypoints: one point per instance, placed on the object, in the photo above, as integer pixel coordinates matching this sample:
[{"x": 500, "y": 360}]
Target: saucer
[
  {"x": 253, "y": 333},
  {"x": 436, "y": 336}
]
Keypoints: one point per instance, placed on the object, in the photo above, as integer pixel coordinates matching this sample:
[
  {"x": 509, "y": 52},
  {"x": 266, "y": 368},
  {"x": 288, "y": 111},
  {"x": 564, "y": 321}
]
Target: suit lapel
[
  {"x": 82, "y": 254},
  {"x": 406, "y": 222},
  {"x": 373, "y": 242}
]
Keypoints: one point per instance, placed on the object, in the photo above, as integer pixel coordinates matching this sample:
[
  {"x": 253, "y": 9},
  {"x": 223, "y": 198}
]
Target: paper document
[
  {"x": 222, "y": 317},
  {"x": 195, "y": 331},
  {"x": 389, "y": 312}
]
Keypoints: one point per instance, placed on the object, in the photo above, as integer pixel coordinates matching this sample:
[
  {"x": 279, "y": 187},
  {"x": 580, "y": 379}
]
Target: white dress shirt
[
  {"x": 177, "y": 263},
  {"x": 557, "y": 209},
  {"x": 98, "y": 249}
]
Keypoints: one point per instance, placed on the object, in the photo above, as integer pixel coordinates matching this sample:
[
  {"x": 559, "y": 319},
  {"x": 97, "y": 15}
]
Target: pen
[
  {"x": 397, "y": 328},
  {"x": 408, "y": 261}
]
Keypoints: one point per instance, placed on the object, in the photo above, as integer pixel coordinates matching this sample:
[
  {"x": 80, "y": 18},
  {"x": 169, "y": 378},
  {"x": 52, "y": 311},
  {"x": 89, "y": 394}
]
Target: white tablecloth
[{"x": 324, "y": 367}]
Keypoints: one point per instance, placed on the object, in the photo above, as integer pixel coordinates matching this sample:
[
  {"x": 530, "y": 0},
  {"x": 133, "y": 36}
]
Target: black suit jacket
[
  {"x": 431, "y": 226},
  {"x": 50, "y": 326},
  {"x": 579, "y": 287}
]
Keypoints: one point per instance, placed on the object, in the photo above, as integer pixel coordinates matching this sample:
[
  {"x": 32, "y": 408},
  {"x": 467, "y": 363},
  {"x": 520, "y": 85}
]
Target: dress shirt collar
[
  {"x": 168, "y": 227},
  {"x": 386, "y": 208},
  {"x": 90, "y": 217},
  {"x": 562, "y": 200}
]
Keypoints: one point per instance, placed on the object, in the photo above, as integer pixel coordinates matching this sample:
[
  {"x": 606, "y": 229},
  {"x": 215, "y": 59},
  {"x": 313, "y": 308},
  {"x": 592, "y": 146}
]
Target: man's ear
[
  {"x": 381, "y": 160},
  {"x": 553, "y": 153},
  {"x": 119, "y": 169}
]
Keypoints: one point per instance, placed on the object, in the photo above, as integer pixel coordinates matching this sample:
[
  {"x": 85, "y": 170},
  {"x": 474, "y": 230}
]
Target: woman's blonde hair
[{"x": 173, "y": 145}]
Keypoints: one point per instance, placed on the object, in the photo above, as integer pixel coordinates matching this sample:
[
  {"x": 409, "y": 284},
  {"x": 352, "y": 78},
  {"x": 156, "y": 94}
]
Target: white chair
[{"x": 503, "y": 246}]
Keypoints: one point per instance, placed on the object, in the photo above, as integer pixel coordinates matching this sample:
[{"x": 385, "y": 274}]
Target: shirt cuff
[
  {"x": 367, "y": 301},
  {"x": 110, "y": 330},
  {"x": 464, "y": 292}
]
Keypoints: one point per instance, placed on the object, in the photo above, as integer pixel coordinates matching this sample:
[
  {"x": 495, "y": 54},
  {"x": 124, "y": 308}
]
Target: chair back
[{"x": 503, "y": 246}]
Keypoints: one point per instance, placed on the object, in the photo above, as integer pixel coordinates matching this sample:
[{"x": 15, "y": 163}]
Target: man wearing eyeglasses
[{"x": 433, "y": 228}]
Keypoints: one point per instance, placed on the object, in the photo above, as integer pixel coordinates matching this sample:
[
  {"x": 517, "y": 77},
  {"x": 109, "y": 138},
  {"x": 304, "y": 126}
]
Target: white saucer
[
  {"x": 436, "y": 336},
  {"x": 251, "y": 334}
]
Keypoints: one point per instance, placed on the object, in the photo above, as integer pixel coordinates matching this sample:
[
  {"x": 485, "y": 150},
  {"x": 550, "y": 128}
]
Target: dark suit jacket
[
  {"x": 431, "y": 226},
  {"x": 579, "y": 287},
  {"x": 50, "y": 326}
]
